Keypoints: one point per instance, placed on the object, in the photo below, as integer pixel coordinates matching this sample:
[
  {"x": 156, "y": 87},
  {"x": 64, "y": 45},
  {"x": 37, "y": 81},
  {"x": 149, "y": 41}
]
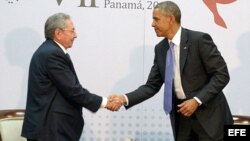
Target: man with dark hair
[{"x": 194, "y": 73}]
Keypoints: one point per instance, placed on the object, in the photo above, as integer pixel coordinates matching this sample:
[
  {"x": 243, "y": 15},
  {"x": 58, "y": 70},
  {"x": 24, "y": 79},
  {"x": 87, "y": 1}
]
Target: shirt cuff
[
  {"x": 126, "y": 98},
  {"x": 198, "y": 100},
  {"x": 104, "y": 102}
]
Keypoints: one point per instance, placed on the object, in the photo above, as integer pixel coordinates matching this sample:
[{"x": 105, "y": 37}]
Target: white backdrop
[{"x": 113, "y": 54}]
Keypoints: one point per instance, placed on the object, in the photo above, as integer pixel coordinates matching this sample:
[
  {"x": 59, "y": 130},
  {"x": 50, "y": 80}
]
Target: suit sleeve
[
  {"x": 152, "y": 86},
  {"x": 67, "y": 83},
  {"x": 216, "y": 69}
]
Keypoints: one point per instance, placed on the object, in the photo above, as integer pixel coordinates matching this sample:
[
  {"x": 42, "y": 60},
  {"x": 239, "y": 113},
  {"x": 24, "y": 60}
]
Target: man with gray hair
[{"x": 55, "y": 96}]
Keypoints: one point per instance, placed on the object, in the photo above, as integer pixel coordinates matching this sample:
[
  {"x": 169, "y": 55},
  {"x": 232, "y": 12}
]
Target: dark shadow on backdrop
[
  {"x": 19, "y": 46},
  {"x": 140, "y": 121},
  {"x": 240, "y": 78}
]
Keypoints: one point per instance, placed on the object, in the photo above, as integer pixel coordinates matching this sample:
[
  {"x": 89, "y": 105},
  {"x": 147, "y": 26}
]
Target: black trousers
[{"x": 189, "y": 128}]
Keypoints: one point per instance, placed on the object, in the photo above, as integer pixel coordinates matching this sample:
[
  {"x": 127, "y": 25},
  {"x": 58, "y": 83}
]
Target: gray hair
[
  {"x": 53, "y": 22},
  {"x": 170, "y": 8}
]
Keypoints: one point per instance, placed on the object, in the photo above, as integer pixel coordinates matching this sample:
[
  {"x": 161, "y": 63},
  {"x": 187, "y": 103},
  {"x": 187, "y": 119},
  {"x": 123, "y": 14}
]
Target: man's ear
[{"x": 57, "y": 34}]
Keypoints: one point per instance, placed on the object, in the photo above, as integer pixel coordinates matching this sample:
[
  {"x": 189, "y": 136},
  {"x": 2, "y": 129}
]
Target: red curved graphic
[{"x": 212, "y": 5}]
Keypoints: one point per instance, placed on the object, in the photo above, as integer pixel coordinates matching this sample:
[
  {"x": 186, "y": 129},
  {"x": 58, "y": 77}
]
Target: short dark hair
[{"x": 169, "y": 7}]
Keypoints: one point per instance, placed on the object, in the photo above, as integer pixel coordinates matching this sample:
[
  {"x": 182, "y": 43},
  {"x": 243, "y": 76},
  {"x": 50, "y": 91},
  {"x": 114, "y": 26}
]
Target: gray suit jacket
[
  {"x": 204, "y": 74},
  {"x": 55, "y": 97}
]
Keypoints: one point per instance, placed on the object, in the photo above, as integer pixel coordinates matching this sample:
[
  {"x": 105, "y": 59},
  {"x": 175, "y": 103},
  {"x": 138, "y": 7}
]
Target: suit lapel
[
  {"x": 165, "y": 47},
  {"x": 71, "y": 64},
  {"x": 183, "y": 49},
  {"x": 163, "y": 53}
]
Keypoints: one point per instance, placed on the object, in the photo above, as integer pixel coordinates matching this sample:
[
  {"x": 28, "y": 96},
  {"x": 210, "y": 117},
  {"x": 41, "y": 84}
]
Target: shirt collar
[
  {"x": 177, "y": 37},
  {"x": 64, "y": 50}
]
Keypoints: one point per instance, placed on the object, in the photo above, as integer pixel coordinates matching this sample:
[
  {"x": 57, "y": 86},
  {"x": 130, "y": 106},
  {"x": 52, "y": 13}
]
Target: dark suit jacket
[
  {"x": 204, "y": 74},
  {"x": 55, "y": 97}
]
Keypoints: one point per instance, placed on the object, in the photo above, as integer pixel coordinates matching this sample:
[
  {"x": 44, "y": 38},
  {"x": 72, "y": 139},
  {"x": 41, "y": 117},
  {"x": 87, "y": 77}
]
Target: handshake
[{"x": 115, "y": 102}]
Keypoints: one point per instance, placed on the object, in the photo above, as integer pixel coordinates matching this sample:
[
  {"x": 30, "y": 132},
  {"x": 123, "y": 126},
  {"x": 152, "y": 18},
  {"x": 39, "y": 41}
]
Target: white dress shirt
[{"x": 177, "y": 75}]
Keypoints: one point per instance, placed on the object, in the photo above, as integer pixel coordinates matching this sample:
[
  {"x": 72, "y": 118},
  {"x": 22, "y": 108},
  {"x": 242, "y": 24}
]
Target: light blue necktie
[{"x": 169, "y": 69}]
